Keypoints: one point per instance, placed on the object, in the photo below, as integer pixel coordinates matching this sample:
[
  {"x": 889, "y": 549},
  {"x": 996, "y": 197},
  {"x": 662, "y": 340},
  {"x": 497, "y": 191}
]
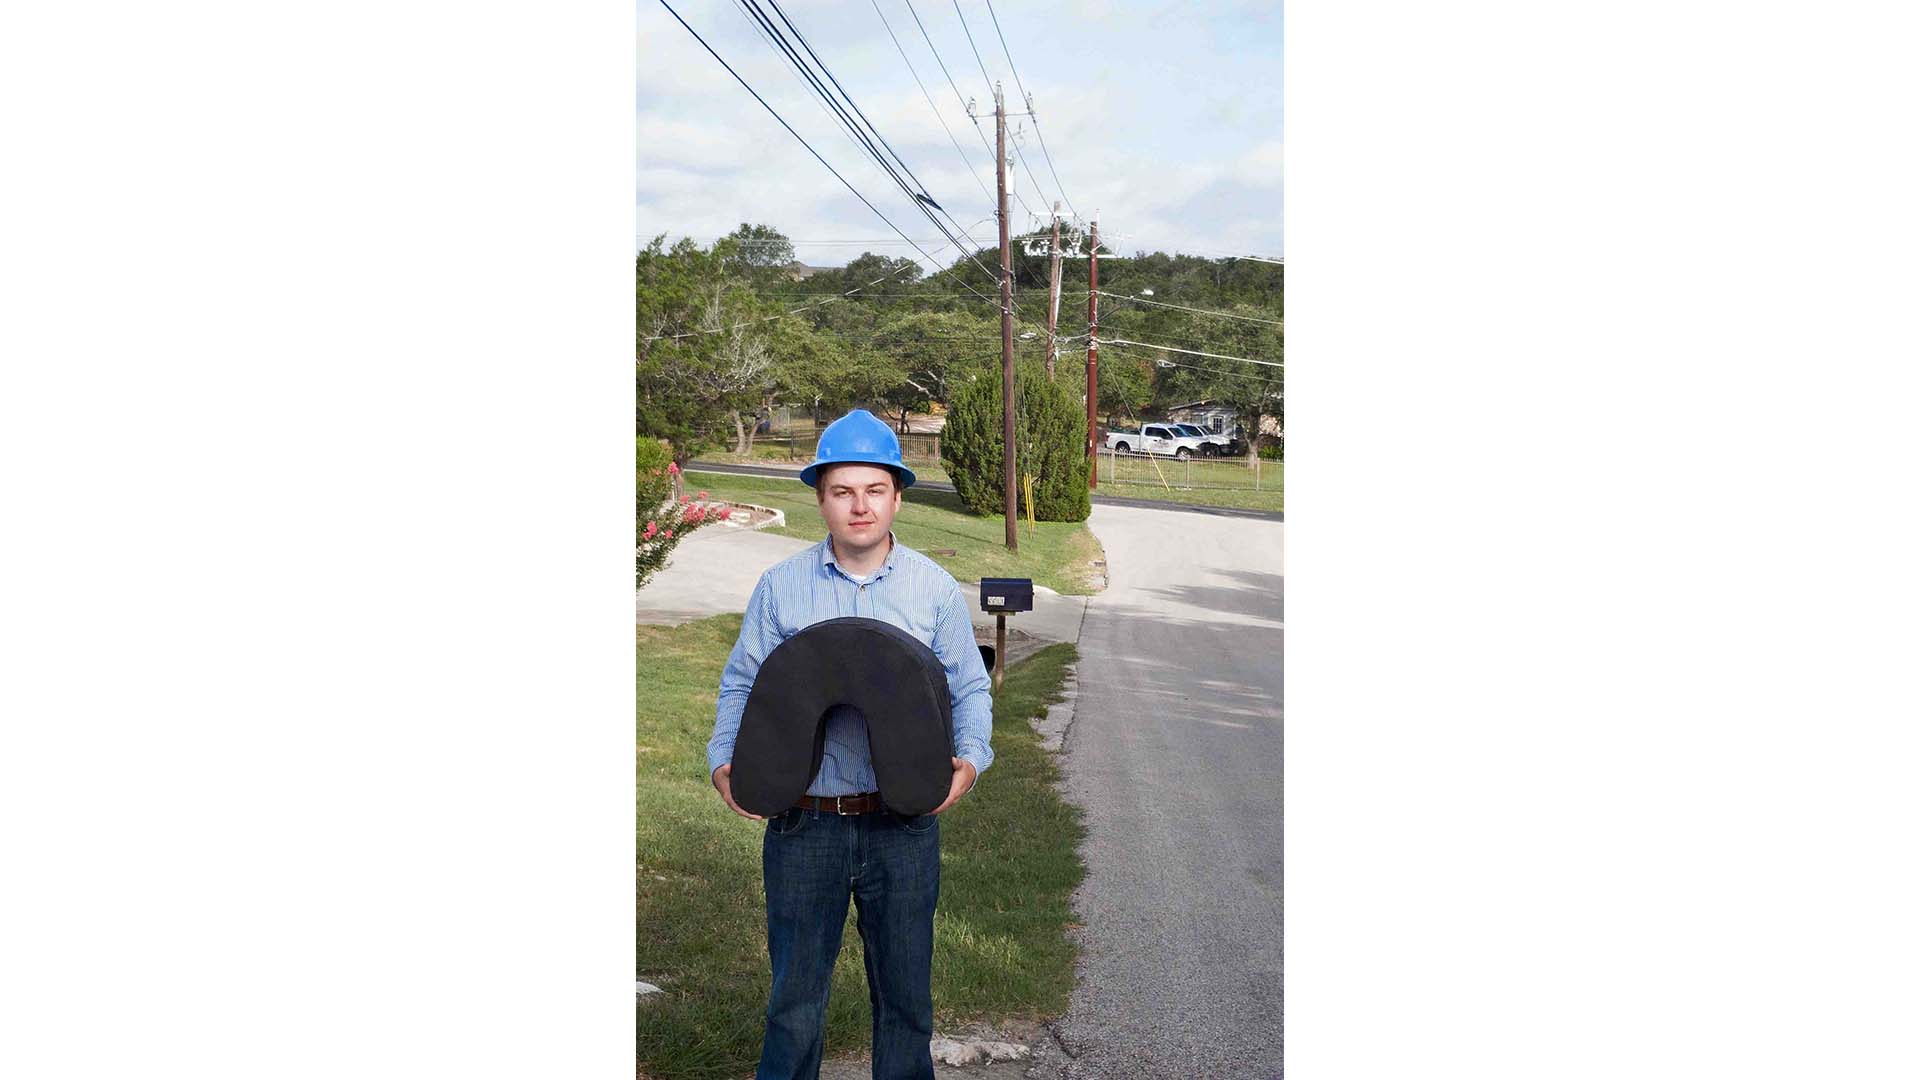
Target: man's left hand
[{"x": 964, "y": 774}]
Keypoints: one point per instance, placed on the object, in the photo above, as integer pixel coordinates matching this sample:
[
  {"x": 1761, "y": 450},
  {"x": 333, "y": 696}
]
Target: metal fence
[
  {"x": 1149, "y": 470},
  {"x": 1155, "y": 470}
]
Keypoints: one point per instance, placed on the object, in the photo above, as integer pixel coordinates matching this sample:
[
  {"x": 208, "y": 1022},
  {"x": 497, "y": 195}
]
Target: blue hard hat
[{"x": 858, "y": 437}]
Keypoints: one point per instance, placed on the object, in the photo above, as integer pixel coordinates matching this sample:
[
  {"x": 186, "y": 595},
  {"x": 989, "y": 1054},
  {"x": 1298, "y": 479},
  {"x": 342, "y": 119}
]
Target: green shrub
[
  {"x": 660, "y": 520},
  {"x": 1050, "y": 427}
]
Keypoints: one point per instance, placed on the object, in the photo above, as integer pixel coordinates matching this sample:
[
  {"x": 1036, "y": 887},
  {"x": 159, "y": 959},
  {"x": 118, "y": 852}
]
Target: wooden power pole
[
  {"x": 1006, "y": 321},
  {"x": 1053, "y": 289},
  {"x": 1093, "y": 356}
]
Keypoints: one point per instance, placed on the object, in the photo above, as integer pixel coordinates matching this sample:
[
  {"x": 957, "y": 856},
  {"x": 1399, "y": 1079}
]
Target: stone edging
[{"x": 778, "y": 520}]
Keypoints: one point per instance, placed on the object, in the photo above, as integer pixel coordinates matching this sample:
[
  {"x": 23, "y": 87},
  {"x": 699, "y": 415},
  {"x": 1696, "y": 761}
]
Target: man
[{"x": 840, "y": 841}]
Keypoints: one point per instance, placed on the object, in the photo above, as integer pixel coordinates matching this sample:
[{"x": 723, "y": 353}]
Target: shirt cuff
[{"x": 978, "y": 757}]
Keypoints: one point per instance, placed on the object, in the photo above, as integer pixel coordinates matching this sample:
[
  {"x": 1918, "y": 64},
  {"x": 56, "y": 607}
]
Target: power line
[
  {"x": 755, "y": 242},
  {"x": 1222, "y": 374},
  {"x": 922, "y": 193},
  {"x": 920, "y": 199},
  {"x": 803, "y": 142},
  {"x": 958, "y": 96},
  {"x": 806, "y": 91},
  {"x": 1189, "y": 352},
  {"x": 983, "y": 74},
  {"x": 1062, "y": 188},
  {"x": 1031, "y": 179},
  {"x": 930, "y": 104},
  {"x": 1182, "y": 307},
  {"x": 971, "y": 45}
]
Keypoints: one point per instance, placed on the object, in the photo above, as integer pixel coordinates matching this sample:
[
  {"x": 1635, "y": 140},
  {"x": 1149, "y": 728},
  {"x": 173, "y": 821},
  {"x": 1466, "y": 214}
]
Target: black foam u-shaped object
[{"x": 896, "y": 682}]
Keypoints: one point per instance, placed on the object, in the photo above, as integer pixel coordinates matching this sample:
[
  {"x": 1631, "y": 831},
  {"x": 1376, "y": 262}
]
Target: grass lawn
[
  {"x": 1204, "y": 483},
  {"x": 1058, "y": 554},
  {"x": 1008, "y": 868},
  {"x": 1201, "y": 481}
]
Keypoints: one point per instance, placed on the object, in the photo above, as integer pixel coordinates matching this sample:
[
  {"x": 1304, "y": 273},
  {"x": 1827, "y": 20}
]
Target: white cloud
[
  {"x": 1261, "y": 166},
  {"x": 1132, "y": 111}
]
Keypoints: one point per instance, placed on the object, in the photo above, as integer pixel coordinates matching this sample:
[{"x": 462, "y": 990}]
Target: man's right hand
[{"x": 723, "y": 783}]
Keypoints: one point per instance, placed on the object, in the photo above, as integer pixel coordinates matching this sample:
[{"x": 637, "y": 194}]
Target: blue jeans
[{"x": 890, "y": 866}]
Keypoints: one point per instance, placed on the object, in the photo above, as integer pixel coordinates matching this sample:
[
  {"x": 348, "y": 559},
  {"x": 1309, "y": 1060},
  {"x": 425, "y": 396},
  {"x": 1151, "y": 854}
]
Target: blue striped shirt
[{"x": 913, "y": 593}]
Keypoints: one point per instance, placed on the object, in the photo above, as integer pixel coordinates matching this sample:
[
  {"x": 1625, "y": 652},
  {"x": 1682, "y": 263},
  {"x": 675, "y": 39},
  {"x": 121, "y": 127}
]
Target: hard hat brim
[{"x": 812, "y": 472}]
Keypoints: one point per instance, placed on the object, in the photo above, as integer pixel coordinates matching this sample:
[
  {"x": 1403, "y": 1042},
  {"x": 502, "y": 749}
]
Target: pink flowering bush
[{"x": 660, "y": 520}]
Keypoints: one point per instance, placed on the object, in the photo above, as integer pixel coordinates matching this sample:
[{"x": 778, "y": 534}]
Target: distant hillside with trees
[{"x": 728, "y": 331}]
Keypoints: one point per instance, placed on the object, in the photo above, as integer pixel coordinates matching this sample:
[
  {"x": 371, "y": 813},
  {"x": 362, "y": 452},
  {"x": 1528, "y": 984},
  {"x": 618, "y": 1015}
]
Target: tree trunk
[
  {"x": 739, "y": 434},
  {"x": 754, "y": 428},
  {"x": 1253, "y": 438}
]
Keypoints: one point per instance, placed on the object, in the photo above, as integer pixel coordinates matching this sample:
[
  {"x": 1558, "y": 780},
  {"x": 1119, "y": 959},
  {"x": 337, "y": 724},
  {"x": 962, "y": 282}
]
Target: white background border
[
  {"x": 317, "y": 661},
  {"x": 319, "y": 647}
]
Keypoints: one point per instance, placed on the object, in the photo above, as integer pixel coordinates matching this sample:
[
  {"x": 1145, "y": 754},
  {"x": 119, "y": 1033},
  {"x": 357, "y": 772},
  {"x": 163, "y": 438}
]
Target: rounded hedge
[{"x": 1050, "y": 442}]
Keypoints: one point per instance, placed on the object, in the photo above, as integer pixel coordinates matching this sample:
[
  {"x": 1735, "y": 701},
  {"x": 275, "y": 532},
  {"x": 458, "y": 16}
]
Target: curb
[{"x": 777, "y": 521}]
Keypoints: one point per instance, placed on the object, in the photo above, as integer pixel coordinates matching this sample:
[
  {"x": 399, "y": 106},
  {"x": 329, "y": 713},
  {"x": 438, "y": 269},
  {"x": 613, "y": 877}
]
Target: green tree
[
  {"x": 685, "y": 300},
  {"x": 891, "y": 274},
  {"x": 926, "y": 351},
  {"x": 712, "y": 351},
  {"x": 1049, "y": 444},
  {"x": 760, "y": 253}
]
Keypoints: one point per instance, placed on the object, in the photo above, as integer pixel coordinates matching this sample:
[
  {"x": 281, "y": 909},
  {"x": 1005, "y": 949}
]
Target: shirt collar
[{"x": 827, "y": 558}]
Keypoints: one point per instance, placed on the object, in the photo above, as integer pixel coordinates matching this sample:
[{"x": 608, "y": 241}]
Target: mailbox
[{"x": 1004, "y": 596}]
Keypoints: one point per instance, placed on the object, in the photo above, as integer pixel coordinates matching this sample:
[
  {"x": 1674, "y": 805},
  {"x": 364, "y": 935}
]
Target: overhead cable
[
  {"x": 930, "y": 104},
  {"x": 920, "y": 198},
  {"x": 803, "y": 142},
  {"x": 1189, "y": 352},
  {"x": 1058, "y": 186},
  {"x": 962, "y": 98},
  {"x": 1182, "y": 307},
  {"x": 805, "y": 89},
  {"x": 983, "y": 74},
  {"x": 848, "y": 98},
  {"x": 971, "y": 45},
  {"x": 1265, "y": 381},
  {"x": 919, "y": 202}
]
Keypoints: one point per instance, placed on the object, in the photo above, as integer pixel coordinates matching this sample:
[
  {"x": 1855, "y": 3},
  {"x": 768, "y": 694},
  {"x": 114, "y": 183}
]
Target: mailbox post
[{"x": 1003, "y": 597}]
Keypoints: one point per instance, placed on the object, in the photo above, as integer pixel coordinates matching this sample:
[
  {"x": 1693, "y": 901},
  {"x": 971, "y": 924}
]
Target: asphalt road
[{"x": 1175, "y": 754}]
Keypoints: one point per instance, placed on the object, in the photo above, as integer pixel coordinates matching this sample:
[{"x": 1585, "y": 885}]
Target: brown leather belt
[{"x": 866, "y": 803}]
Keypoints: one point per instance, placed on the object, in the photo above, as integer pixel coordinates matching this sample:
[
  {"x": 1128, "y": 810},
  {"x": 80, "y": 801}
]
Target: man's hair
[{"x": 822, "y": 478}]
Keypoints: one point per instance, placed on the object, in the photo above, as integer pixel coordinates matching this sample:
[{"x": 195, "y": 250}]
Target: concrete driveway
[
  {"x": 1175, "y": 754},
  {"x": 713, "y": 572}
]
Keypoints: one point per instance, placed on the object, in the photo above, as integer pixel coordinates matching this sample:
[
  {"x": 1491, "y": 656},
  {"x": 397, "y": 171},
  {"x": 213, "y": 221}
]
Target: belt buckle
[{"x": 836, "y": 806}]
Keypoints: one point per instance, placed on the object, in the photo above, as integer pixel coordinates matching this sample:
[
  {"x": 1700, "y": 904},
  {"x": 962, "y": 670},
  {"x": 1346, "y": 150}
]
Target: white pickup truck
[
  {"x": 1212, "y": 443},
  {"x": 1165, "y": 439}
]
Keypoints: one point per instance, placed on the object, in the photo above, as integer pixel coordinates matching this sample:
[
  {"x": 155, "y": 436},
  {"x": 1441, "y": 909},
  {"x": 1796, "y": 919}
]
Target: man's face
[{"x": 858, "y": 503}]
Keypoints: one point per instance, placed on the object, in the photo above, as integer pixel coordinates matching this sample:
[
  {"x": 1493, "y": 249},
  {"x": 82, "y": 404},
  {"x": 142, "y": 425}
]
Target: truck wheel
[
  {"x": 1123, "y": 448},
  {"x": 1183, "y": 453}
]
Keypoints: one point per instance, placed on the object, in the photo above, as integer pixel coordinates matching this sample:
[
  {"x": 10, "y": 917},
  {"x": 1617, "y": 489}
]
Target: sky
[{"x": 1163, "y": 119}]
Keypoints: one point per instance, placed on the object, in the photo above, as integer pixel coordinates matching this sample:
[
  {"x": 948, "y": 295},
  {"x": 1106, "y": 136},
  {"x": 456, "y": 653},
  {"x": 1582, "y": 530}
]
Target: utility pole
[
  {"x": 1006, "y": 322},
  {"x": 1053, "y": 289},
  {"x": 1093, "y": 355}
]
